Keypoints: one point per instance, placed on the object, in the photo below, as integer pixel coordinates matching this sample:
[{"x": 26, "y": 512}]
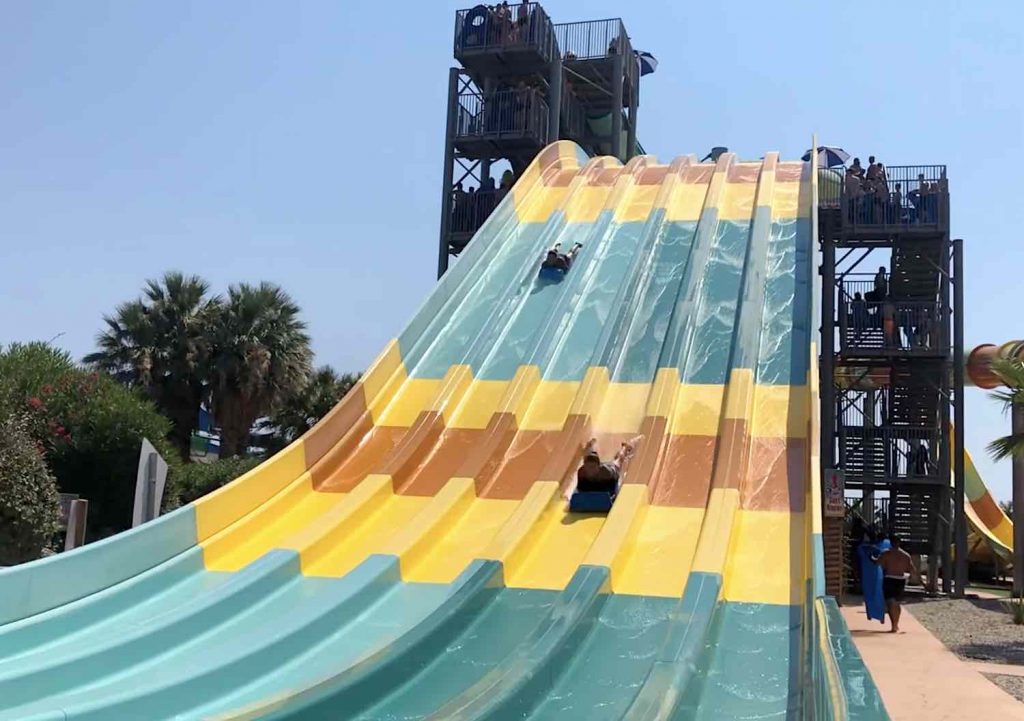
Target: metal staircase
[{"x": 888, "y": 353}]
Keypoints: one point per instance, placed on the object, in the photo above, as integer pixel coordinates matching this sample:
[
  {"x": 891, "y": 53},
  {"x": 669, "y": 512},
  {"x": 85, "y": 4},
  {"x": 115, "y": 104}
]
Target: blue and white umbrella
[
  {"x": 828, "y": 156},
  {"x": 648, "y": 63}
]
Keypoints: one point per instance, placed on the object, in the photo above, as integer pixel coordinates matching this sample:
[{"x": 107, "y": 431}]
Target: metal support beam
[
  {"x": 555, "y": 83},
  {"x": 1018, "y": 506},
  {"x": 946, "y": 512},
  {"x": 959, "y": 510},
  {"x": 618, "y": 69},
  {"x": 449, "y": 164},
  {"x": 634, "y": 102},
  {"x": 827, "y": 375}
]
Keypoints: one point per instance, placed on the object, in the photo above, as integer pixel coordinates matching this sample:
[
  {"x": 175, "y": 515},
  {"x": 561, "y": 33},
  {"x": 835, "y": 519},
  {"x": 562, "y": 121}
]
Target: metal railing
[
  {"x": 471, "y": 209},
  {"x": 889, "y": 453},
  {"x": 573, "y": 117},
  {"x": 905, "y": 195},
  {"x": 518, "y": 112},
  {"x": 594, "y": 39},
  {"x": 873, "y": 511},
  {"x": 488, "y": 28},
  {"x": 901, "y": 325}
]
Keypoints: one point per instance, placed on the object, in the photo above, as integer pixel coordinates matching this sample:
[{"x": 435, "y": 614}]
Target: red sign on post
[{"x": 834, "y": 493}]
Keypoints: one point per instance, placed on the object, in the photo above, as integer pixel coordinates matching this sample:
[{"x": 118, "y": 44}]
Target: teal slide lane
[
  {"x": 33, "y": 588},
  {"x": 288, "y": 628}
]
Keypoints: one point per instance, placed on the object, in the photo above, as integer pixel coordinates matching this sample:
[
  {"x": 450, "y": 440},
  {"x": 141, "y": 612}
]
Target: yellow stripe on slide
[
  {"x": 620, "y": 527},
  {"x": 713, "y": 544},
  {"x": 766, "y": 558},
  {"x": 465, "y": 540},
  {"x": 417, "y": 538},
  {"x": 511, "y": 543},
  {"x": 556, "y": 549},
  {"x": 249, "y": 491},
  {"x": 657, "y": 560}
]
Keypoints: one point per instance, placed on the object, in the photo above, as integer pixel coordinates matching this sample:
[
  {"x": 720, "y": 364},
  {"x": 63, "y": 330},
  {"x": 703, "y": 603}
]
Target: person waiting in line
[
  {"x": 889, "y": 326},
  {"x": 881, "y": 289},
  {"x": 920, "y": 460},
  {"x": 460, "y": 208},
  {"x": 896, "y": 203},
  {"x": 854, "y": 187},
  {"x": 595, "y": 476},
  {"x": 555, "y": 260},
  {"x": 859, "y": 312},
  {"x": 522, "y": 28},
  {"x": 874, "y": 171},
  {"x": 856, "y": 168},
  {"x": 923, "y": 331}
]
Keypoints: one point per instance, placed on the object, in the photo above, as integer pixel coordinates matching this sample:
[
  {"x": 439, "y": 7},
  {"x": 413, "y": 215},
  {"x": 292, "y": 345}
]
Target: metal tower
[
  {"x": 892, "y": 360},
  {"x": 524, "y": 82}
]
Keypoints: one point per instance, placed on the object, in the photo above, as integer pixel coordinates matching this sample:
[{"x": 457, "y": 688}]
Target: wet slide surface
[{"x": 413, "y": 557}]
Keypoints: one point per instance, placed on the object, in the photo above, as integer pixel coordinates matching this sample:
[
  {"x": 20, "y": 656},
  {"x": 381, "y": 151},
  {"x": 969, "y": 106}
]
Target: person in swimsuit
[
  {"x": 595, "y": 476},
  {"x": 897, "y": 567},
  {"x": 560, "y": 261}
]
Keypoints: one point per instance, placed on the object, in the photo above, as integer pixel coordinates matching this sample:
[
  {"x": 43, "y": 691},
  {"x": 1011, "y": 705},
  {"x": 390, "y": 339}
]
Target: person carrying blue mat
[
  {"x": 871, "y": 579},
  {"x": 886, "y": 569}
]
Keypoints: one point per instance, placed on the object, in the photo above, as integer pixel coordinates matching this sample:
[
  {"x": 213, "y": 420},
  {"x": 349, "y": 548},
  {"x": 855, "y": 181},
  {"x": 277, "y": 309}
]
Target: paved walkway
[
  {"x": 919, "y": 678},
  {"x": 1003, "y": 669}
]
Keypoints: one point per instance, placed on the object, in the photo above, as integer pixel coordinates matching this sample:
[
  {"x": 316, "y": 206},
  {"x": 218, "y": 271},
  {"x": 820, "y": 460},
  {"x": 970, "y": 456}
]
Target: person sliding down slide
[
  {"x": 597, "y": 483},
  {"x": 555, "y": 264}
]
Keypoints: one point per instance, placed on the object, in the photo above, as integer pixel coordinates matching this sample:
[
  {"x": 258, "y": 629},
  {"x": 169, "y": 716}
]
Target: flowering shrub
[
  {"x": 29, "y": 509},
  {"x": 86, "y": 426}
]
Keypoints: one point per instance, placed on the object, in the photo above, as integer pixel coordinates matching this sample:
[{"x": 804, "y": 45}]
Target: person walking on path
[{"x": 897, "y": 566}]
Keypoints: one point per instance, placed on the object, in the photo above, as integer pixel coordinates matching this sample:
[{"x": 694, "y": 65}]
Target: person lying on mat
[
  {"x": 560, "y": 261},
  {"x": 595, "y": 476}
]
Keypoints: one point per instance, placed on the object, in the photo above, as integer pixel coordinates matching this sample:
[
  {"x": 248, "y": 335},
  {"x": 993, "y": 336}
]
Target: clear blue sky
[{"x": 301, "y": 143}]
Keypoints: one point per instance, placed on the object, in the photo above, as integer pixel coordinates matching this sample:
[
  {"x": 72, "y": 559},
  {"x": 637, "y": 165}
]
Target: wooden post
[{"x": 75, "y": 536}]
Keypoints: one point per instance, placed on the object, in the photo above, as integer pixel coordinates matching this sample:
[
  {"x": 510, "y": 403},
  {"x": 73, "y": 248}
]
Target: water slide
[
  {"x": 412, "y": 556},
  {"x": 990, "y": 536},
  {"x": 990, "y": 531}
]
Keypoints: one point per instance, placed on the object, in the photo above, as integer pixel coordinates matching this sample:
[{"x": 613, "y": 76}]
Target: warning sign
[{"x": 834, "y": 493}]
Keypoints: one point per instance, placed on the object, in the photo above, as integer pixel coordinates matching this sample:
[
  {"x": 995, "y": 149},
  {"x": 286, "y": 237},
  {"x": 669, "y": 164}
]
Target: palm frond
[{"x": 1010, "y": 446}]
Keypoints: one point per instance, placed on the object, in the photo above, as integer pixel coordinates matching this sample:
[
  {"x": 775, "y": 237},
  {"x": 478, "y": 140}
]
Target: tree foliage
[
  {"x": 1011, "y": 371},
  {"x": 159, "y": 343},
  {"x": 195, "y": 480},
  {"x": 301, "y": 410},
  {"x": 88, "y": 427},
  {"x": 260, "y": 356},
  {"x": 29, "y": 509}
]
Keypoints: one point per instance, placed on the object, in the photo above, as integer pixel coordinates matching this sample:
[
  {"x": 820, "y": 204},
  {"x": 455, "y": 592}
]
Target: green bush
[
  {"x": 89, "y": 427},
  {"x": 195, "y": 480},
  {"x": 29, "y": 507}
]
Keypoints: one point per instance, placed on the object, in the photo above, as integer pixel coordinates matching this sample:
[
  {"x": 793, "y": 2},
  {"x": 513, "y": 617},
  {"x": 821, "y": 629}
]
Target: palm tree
[
  {"x": 301, "y": 410},
  {"x": 159, "y": 343},
  {"x": 260, "y": 356},
  {"x": 1011, "y": 372}
]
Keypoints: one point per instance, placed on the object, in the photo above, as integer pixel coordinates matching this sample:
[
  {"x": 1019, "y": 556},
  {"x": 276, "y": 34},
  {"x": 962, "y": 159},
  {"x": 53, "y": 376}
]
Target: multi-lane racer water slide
[{"x": 413, "y": 557}]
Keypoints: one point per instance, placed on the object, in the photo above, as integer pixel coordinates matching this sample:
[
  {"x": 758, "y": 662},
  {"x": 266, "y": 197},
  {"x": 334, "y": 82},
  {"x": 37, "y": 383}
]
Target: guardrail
[
  {"x": 907, "y": 195},
  {"x": 595, "y": 39},
  {"x": 890, "y": 453},
  {"x": 470, "y": 210},
  {"x": 889, "y": 325},
  {"x": 484, "y": 28},
  {"x": 518, "y": 112}
]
